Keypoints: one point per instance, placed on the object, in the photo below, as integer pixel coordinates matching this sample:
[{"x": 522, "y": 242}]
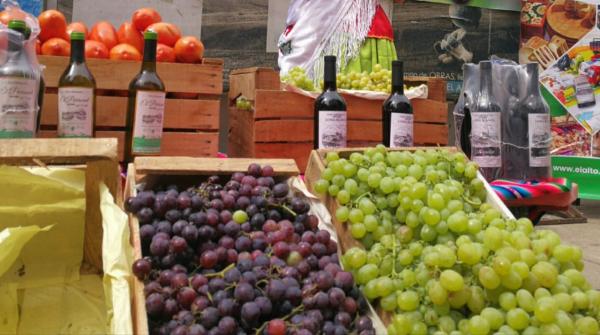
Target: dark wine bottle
[
  {"x": 398, "y": 120},
  {"x": 464, "y": 106},
  {"x": 330, "y": 125},
  {"x": 514, "y": 127},
  {"x": 539, "y": 134},
  {"x": 76, "y": 98},
  {"x": 486, "y": 132},
  {"x": 146, "y": 106},
  {"x": 18, "y": 87}
]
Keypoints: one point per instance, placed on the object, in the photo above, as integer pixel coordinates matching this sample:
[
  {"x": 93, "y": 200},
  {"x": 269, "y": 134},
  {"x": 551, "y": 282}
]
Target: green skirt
[{"x": 374, "y": 51}]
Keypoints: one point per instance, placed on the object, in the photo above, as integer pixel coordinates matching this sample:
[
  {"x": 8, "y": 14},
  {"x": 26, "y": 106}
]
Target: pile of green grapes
[
  {"x": 441, "y": 260},
  {"x": 297, "y": 77}
]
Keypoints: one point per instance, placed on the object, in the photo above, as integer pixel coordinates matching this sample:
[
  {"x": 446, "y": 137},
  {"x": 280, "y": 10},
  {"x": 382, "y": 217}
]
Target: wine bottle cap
[
  {"x": 77, "y": 36},
  {"x": 330, "y": 59},
  {"x": 17, "y": 24},
  {"x": 485, "y": 64},
  {"x": 150, "y": 35}
]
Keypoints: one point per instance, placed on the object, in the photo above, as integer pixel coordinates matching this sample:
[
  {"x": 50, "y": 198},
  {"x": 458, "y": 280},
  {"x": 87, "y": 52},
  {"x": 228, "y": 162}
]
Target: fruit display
[
  {"x": 241, "y": 255},
  {"x": 126, "y": 43},
  {"x": 379, "y": 80},
  {"x": 435, "y": 258}
]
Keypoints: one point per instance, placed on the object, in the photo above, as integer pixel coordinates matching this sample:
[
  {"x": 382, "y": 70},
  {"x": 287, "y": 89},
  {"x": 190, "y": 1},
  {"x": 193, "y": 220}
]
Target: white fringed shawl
[{"x": 325, "y": 27}]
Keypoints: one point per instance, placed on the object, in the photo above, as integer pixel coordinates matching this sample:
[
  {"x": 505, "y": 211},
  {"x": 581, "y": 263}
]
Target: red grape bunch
[{"x": 241, "y": 256}]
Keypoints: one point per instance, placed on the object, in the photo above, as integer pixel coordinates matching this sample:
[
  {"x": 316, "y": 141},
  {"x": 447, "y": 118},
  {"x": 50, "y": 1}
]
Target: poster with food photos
[{"x": 563, "y": 36}]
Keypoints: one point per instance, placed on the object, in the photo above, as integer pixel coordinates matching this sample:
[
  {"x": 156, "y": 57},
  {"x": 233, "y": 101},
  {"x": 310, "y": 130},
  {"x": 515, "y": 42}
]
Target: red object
[{"x": 381, "y": 27}]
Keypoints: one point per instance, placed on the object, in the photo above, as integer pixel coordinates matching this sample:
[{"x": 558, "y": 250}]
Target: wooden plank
[
  {"x": 208, "y": 166},
  {"x": 56, "y": 151},
  {"x": 193, "y": 144},
  {"x": 424, "y": 133},
  {"x": 241, "y": 133},
  {"x": 298, "y": 151},
  {"x": 116, "y": 75},
  {"x": 283, "y": 131},
  {"x": 111, "y": 111},
  {"x": 247, "y": 81},
  {"x": 282, "y": 104},
  {"x": 437, "y": 87}
]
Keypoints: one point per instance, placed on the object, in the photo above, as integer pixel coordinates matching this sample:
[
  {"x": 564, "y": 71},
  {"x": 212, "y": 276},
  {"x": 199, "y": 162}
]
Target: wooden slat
[
  {"x": 298, "y": 151},
  {"x": 208, "y": 166},
  {"x": 56, "y": 151},
  {"x": 241, "y": 133},
  {"x": 437, "y": 87},
  {"x": 193, "y": 144},
  {"x": 283, "y": 131},
  {"x": 370, "y": 131},
  {"x": 111, "y": 111},
  {"x": 283, "y": 104},
  {"x": 246, "y": 81},
  {"x": 116, "y": 75}
]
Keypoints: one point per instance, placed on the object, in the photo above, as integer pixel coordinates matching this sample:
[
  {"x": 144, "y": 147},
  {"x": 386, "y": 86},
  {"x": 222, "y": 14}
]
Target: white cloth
[{"x": 324, "y": 27}]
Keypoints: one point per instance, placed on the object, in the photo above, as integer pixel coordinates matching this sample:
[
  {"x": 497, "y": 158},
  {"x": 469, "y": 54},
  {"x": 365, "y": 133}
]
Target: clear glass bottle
[
  {"x": 398, "y": 118},
  {"x": 76, "y": 94},
  {"x": 146, "y": 107},
  {"x": 486, "y": 131},
  {"x": 18, "y": 88},
  {"x": 537, "y": 114},
  {"x": 330, "y": 118}
]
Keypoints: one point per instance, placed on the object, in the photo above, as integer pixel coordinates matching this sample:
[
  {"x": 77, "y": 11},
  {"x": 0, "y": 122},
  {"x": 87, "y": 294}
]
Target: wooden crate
[
  {"x": 191, "y": 123},
  {"x": 151, "y": 170},
  {"x": 281, "y": 122},
  {"x": 99, "y": 159}
]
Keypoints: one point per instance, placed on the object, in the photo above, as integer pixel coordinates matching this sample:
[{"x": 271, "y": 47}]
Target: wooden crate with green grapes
[{"x": 434, "y": 249}]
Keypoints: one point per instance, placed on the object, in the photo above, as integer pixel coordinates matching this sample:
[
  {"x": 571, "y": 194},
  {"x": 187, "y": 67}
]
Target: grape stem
[
  {"x": 284, "y": 207},
  {"x": 295, "y": 311},
  {"x": 221, "y": 273}
]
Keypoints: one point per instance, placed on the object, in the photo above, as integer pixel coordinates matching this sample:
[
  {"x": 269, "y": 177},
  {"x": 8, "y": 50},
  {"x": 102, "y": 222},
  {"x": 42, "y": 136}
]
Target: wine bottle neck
[
  {"x": 77, "y": 51},
  {"x": 329, "y": 78},
  {"x": 533, "y": 86},
  {"x": 398, "y": 78},
  {"x": 15, "y": 42},
  {"x": 149, "y": 63},
  {"x": 485, "y": 81}
]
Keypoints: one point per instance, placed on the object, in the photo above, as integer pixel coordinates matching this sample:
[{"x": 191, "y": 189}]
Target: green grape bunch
[
  {"x": 242, "y": 103},
  {"x": 297, "y": 77},
  {"x": 441, "y": 260},
  {"x": 379, "y": 80}
]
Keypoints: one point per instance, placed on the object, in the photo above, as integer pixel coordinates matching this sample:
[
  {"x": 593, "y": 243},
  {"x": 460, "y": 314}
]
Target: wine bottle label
[
  {"x": 75, "y": 112},
  {"x": 148, "y": 123},
  {"x": 539, "y": 138},
  {"x": 401, "y": 130},
  {"x": 17, "y": 107},
  {"x": 332, "y": 129},
  {"x": 486, "y": 140}
]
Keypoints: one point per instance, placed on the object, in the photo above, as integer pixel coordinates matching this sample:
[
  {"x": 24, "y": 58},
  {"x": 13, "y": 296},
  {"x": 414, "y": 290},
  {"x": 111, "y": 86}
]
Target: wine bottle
[
  {"x": 146, "y": 106},
  {"x": 76, "y": 94},
  {"x": 42, "y": 85},
  {"x": 486, "y": 132},
  {"x": 398, "y": 120},
  {"x": 536, "y": 111},
  {"x": 18, "y": 87},
  {"x": 330, "y": 122},
  {"x": 464, "y": 106},
  {"x": 514, "y": 127}
]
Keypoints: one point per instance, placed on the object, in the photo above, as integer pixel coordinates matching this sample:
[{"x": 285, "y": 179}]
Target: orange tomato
[
  {"x": 56, "y": 47},
  {"x": 168, "y": 33},
  {"x": 189, "y": 50},
  {"x": 52, "y": 24},
  {"x": 129, "y": 35},
  {"x": 77, "y": 27},
  {"x": 95, "y": 49},
  {"x": 144, "y": 17},
  {"x": 12, "y": 14},
  {"x": 105, "y": 33},
  {"x": 125, "y": 52},
  {"x": 165, "y": 53}
]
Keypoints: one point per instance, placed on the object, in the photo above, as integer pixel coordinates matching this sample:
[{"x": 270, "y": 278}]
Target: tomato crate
[
  {"x": 191, "y": 122},
  {"x": 280, "y": 123},
  {"x": 182, "y": 171}
]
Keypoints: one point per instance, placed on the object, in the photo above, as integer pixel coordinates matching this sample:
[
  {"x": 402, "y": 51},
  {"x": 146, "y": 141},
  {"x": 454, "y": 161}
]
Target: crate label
[
  {"x": 18, "y": 106},
  {"x": 539, "y": 140},
  {"x": 401, "y": 130},
  {"x": 75, "y": 112},
  {"x": 332, "y": 129},
  {"x": 148, "y": 122},
  {"x": 486, "y": 140}
]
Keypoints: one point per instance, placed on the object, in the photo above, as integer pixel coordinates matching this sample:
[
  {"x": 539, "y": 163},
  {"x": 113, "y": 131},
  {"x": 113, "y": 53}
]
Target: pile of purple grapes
[{"x": 241, "y": 256}]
